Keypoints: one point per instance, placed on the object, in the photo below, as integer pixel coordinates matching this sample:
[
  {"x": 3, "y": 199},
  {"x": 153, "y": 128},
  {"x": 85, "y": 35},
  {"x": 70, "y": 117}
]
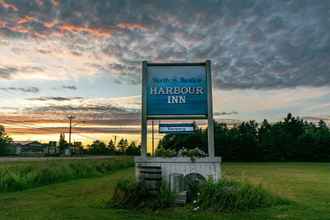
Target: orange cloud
[
  {"x": 131, "y": 26},
  {"x": 56, "y": 2},
  {"x": 2, "y": 24},
  {"x": 50, "y": 24},
  {"x": 19, "y": 29},
  {"x": 26, "y": 19},
  {"x": 9, "y": 6},
  {"x": 97, "y": 32}
]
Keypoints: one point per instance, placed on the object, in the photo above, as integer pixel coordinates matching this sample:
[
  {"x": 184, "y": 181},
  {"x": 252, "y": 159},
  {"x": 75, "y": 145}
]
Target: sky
[{"x": 83, "y": 58}]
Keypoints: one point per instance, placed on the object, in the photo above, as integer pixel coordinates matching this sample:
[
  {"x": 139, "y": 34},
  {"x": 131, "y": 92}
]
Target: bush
[
  {"x": 235, "y": 196},
  {"x": 23, "y": 176},
  {"x": 162, "y": 152},
  {"x": 184, "y": 152},
  {"x": 223, "y": 196},
  {"x": 129, "y": 194}
]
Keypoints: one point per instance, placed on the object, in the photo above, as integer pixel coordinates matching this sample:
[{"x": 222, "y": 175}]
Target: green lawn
[{"x": 306, "y": 184}]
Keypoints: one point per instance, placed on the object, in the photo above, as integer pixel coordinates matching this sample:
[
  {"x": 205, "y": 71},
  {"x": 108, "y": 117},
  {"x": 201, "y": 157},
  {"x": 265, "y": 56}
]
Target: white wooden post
[
  {"x": 144, "y": 121},
  {"x": 210, "y": 127}
]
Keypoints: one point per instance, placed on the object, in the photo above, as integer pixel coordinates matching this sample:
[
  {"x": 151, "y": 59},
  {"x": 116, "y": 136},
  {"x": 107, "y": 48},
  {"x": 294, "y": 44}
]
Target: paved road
[{"x": 8, "y": 159}]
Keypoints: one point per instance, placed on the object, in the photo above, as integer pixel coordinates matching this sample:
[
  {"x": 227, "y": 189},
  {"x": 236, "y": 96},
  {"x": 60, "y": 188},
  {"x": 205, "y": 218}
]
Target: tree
[
  {"x": 111, "y": 147},
  {"x": 132, "y": 149},
  {"x": 77, "y": 146},
  {"x": 291, "y": 139},
  {"x": 62, "y": 144},
  {"x": 98, "y": 147},
  {"x": 5, "y": 141},
  {"x": 122, "y": 145}
]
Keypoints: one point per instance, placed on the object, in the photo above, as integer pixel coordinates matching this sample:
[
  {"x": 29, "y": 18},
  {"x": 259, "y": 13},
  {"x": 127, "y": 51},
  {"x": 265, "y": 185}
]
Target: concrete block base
[{"x": 209, "y": 168}]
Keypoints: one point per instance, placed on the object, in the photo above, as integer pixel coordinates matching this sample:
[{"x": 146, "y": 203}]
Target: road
[{"x": 8, "y": 159}]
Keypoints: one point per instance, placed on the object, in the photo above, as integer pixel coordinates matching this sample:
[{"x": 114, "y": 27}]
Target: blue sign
[
  {"x": 176, "y": 90},
  {"x": 183, "y": 128}
]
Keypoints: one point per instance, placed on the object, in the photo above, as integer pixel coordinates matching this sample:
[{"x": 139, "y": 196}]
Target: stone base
[{"x": 208, "y": 167}]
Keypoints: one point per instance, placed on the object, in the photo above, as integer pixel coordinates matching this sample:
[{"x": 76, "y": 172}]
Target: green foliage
[
  {"x": 292, "y": 139},
  {"x": 230, "y": 196},
  {"x": 162, "y": 152},
  {"x": 123, "y": 148},
  {"x": 98, "y": 147},
  {"x": 4, "y": 141},
  {"x": 122, "y": 145},
  {"x": 132, "y": 149},
  {"x": 111, "y": 147},
  {"x": 62, "y": 142},
  {"x": 129, "y": 194},
  {"x": 192, "y": 153},
  {"x": 22, "y": 176},
  {"x": 222, "y": 196},
  {"x": 184, "y": 152}
]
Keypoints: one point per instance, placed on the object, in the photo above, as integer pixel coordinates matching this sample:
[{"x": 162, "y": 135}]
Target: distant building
[{"x": 29, "y": 148}]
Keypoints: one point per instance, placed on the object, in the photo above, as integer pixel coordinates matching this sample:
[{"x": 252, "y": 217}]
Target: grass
[
  {"x": 233, "y": 196},
  {"x": 20, "y": 176},
  {"x": 129, "y": 194},
  {"x": 306, "y": 184}
]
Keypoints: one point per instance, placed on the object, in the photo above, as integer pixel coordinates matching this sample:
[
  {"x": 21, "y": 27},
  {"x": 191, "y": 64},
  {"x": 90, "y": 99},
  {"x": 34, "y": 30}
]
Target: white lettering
[
  {"x": 176, "y": 90},
  {"x": 153, "y": 91},
  {"x": 182, "y": 99},
  {"x": 199, "y": 90},
  {"x": 176, "y": 99},
  {"x": 161, "y": 91}
]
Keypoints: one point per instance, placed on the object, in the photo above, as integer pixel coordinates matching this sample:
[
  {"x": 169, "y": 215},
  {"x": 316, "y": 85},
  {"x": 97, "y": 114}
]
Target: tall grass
[
  {"x": 222, "y": 196},
  {"x": 227, "y": 195},
  {"x": 130, "y": 194},
  {"x": 22, "y": 176}
]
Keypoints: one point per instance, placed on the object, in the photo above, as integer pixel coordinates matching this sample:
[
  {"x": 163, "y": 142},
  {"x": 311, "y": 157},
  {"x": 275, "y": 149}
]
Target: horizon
[{"x": 60, "y": 58}]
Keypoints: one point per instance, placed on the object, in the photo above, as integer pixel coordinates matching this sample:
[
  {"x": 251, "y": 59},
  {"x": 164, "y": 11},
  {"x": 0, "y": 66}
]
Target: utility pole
[
  {"x": 115, "y": 140},
  {"x": 153, "y": 138},
  {"x": 70, "y": 117}
]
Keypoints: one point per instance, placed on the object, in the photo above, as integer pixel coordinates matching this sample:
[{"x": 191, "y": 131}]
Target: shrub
[
  {"x": 162, "y": 152},
  {"x": 235, "y": 196},
  {"x": 129, "y": 194},
  {"x": 184, "y": 152}
]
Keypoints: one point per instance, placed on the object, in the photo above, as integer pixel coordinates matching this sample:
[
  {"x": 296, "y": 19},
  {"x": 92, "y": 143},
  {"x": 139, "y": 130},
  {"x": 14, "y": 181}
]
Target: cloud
[
  {"x": 225, "y": 113},
  {"x": 252, "y": 44},
  {"x": 84, "y": 106},
  {"x": 70, "y": 87},
  {"x": 66, "y": 87},
  {"x": 7, "y": 72},
  {"x": 8, "y": 6},
  {"x": 54, "y": 98},
  {"x": 107, "y": 111},
  {"x": 96, "y": 109},
  {"x": 31, "y": 89}
]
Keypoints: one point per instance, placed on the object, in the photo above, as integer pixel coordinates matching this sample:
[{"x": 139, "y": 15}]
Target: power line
[{"x": 47, "y": 129}]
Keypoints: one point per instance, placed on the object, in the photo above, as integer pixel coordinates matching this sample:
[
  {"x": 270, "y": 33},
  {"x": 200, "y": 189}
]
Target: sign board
[
  {"x": 176, "y": 128},
  {"x": 176, "y": 90}
]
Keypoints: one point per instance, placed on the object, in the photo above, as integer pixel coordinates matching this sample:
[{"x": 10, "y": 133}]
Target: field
[{"x": 307, "y": 185}]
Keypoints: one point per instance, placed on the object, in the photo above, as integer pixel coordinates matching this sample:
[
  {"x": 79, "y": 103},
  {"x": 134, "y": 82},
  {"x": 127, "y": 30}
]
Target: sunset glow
[{"x": 60, "y": 58}]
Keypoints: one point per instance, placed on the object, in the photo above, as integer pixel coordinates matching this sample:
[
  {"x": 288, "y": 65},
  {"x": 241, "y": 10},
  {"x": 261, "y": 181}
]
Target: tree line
[
  {"x": 292, "y": 139},
  {"x": 122, "y": 148}
]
